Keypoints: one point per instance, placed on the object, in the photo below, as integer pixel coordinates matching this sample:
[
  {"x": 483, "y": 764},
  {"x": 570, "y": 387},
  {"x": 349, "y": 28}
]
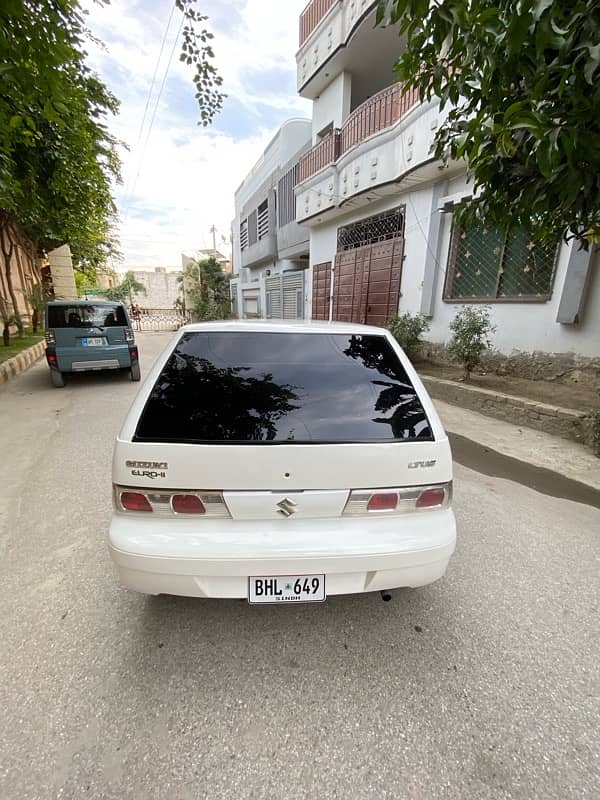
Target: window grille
[
  {"x": 486, "y": 263},
  {"x": 263, "y": 219},
  {"x": 379, "y": 228},
  {"x": 244, "y": 234}
]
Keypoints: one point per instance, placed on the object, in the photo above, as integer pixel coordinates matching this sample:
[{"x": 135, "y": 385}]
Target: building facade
[
  {"x": 270, "y": 248},
  {"x": 379, "y": 208},
  {"x": 163, "y": 288}
]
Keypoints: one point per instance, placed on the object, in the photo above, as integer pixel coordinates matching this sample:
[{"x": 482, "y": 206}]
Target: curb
[
  {"x": 22, "y": 361},
  {"x": 564, "y": 422}
]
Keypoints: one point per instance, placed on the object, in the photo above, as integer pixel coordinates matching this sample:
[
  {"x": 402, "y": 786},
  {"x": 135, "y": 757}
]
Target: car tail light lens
[
  {"x": 168, "y": 503},
  {"x": 50, "y": 337},
  {"x": 135, "y": 501},
  {"x": 187, "y": 504},
  {"x": 129, "y": 336},
  {"x": 398, "y": 501},
  {"x": 385, "y": 501},
  {"x": 431, "y": 498},
  {"x": 51, "y": 358}
]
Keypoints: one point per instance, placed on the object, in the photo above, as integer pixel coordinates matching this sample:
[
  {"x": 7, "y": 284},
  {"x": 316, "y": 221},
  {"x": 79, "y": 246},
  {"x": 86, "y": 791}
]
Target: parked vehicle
[
  {"x": 281, "y": 463},
  {"x": 83, "y": 336}
]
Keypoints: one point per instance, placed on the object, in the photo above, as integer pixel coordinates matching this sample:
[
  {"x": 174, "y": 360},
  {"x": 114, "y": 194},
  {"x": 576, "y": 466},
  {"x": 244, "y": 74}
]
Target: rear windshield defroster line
[{"x": 225, "y": 387}]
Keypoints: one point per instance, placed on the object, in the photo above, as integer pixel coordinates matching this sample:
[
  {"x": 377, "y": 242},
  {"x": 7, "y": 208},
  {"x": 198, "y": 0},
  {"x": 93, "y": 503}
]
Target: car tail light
[
  {"x": 170, "y": 503},
  {"x": 51, "y": 358},
  {"x": 398, "y": 501},
  {"x": 133, "y": 353},
  {"x": 187, "y": 504},
  {"x": 50, "y": 337},
  {"x": 384, "y": 501},
  {"x": 129, "y": 336},
  {"x": 135, "y": 501},
  {"x": 431, "y": 498}
]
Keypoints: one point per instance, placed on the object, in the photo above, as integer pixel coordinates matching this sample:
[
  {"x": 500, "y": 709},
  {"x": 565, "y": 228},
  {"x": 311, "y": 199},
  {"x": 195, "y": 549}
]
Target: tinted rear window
[
  {"x": 86, "y": 315},
  {"x": 282, "y": 387}
]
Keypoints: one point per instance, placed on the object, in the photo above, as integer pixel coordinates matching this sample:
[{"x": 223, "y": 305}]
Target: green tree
[
  {"x": 207, "y": 290},
  {"x": 126, "y": 289},
  {"x": 523, "y": 86},
  {"x": 58, "y": 160}
]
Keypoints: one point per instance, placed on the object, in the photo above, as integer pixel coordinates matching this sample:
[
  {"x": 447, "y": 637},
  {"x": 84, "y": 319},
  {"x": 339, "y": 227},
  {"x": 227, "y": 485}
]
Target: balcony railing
[
  {"x": 322, "y": 154},
  {"x": 312, "y": 15},
  {"x": 376, "y": 114}
]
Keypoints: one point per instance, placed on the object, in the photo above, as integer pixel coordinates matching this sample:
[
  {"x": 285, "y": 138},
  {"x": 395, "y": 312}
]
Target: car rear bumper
[
  {"x": 82, "y": 359},
  {"x": 216, "y": 557}
]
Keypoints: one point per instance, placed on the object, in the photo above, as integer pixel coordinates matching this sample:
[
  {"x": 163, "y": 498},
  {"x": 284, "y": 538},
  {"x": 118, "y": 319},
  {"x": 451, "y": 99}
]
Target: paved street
[{"x": 484, "y": 685}]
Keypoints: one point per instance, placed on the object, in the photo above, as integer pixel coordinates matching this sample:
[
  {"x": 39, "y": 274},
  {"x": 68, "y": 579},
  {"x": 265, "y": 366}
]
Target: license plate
[
  {"x": 93, "y": 341},
  {"x": 286, "y": 589}
]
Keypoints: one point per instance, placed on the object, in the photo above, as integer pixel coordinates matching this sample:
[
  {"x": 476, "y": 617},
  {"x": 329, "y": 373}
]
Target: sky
[{"x": 179, "y": 178}]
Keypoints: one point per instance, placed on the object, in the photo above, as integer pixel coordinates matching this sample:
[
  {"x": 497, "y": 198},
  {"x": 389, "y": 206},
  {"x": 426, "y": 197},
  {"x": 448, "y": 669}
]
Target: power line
[
  {"x": 156, "y": 66},
  {"x": 162, "y": 86}
]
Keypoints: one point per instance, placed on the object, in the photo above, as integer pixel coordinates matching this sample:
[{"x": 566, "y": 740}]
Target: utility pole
[{"x": 213, "y": 230}]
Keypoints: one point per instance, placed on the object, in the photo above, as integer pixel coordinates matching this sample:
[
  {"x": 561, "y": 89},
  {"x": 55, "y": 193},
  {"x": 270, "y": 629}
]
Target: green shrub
[
  {"x": 471, "y": 329},
  {"x": 407, "y": 330}
]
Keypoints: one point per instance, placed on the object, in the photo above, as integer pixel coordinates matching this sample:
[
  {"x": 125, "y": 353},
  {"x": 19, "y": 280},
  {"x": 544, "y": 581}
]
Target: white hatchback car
[{"x": 281, "y": 463}]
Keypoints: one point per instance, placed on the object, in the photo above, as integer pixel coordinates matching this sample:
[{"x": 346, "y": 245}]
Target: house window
[
  {"x": 486, "y": 263},
  {"x": 244, "y": 235},
  {"x": 371, "y": 230},
  {"x": 263, "y": 219}
]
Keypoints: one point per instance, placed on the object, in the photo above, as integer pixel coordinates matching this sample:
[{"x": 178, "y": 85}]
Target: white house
[
  {"x": 378, "y": 208},
  {"x": 270, "y": 250}
]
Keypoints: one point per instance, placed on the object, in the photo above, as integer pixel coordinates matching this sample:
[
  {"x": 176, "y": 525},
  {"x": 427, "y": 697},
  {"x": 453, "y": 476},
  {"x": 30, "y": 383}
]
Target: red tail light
[
  {"x": 404, "y": 500},
  {"x": 431, "y": 498},
  {"x": 52, "y": 358},
  {"x": 383, "y": 502},
  {"x": 135, "y": 501},
  {"x": 187, "y": 504}
]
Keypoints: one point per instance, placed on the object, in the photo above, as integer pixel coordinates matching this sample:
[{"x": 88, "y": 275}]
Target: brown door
[
  {"x": 385, "y": 271},
  {"x": 366, "y": 282},
  {"x": 321, "y": 289}
]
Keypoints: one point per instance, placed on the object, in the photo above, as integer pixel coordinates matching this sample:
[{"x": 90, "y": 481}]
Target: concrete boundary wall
[{"x": 17, "y": 364}]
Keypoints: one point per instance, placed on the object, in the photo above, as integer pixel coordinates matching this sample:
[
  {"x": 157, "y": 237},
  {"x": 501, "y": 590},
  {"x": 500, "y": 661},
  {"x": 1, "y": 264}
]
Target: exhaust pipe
[{"x": 386, "y": 595}]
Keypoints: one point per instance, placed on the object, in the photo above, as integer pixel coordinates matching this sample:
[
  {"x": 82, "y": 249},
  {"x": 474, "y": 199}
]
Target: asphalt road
[{"x": 483, "y": 685}]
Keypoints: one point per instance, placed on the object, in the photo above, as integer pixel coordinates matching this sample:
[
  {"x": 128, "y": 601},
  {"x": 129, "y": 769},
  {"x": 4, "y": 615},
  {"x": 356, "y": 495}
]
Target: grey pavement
[{"x": 483, "y": 685}]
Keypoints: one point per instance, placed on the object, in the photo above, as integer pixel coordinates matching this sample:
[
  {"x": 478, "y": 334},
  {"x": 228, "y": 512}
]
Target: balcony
[
  {"x": 312, "y": 15},
  {"x": 323, "y": 154},
  {"x": 379, "y": 112}
]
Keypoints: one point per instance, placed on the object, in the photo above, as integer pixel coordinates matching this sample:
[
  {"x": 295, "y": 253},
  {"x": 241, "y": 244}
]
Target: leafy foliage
[
  {"x": 57, "y": 159},
  {"x": 523, "y": 86},
  {"x": 126, "y": 289},
  {"x": 197, "y": 51},
  {"x": 207, "y": 290},
  {"x": 408, "y": 329},
  {"x": 471, "y": 329}
]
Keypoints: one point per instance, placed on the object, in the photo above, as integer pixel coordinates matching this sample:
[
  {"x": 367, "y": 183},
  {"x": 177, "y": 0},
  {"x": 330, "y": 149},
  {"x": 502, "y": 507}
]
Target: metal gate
[
  {"x": 160, "y": 319},
  {"x": 366, "y": 282},
  {"x": 285, "y": 295},
  {"x": 321, "y": 290}
]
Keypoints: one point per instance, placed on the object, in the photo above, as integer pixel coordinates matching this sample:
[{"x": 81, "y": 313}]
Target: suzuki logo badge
[{"x": 287, "y": 507}]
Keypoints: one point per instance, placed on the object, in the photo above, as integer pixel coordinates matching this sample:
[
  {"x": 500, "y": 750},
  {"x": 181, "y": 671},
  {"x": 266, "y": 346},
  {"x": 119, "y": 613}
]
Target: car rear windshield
[
  {"x": 86, "y": 315},
  {"x": 230, "y": 387}
]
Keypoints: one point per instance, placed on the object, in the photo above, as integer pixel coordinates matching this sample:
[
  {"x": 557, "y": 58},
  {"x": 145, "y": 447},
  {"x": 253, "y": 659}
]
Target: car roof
[
  {"x": 81, "y": 302},
  {"x": 282, "y": 326}
]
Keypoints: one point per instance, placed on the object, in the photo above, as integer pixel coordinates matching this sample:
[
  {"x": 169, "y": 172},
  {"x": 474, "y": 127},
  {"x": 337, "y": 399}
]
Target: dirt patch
[{"x": 578, "y": 397}]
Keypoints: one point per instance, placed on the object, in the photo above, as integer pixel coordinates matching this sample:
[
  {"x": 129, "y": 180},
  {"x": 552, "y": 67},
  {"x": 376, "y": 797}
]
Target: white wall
[
  {"x": 333, "y": 104},
  {"x": 526, "y": 327}
]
